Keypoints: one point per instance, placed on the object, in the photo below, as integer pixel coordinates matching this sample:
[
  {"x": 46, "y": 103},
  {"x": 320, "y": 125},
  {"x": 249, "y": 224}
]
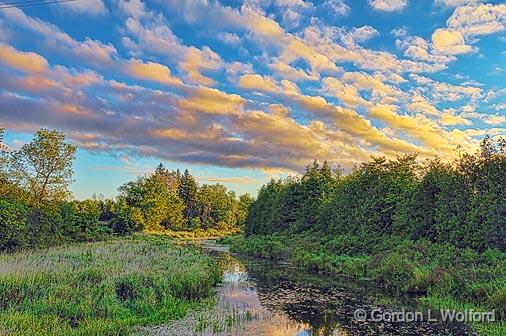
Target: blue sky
[{"x": 240, "y": 92}]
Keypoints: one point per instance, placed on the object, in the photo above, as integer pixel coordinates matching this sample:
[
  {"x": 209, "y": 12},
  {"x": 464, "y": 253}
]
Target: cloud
[
  {"x": 90, "y": 51},
  {"x": 229, "y": 179},
  {"x": 450, "y": 42},
  {"x": 287, "y": 71},
  {"x": 152, "y": 38},
  {"x": 284, "y": 97},
  {"x": 455, "y": 3},
  {"x": 379, "y": 90},
  {"x": 293, "y": 11},
  {"x": 420, "y": 104},
  {"x": 197, "y": 60},
  {"x": 212, "y": 101},
  {"x": 151, "y": 71},
  {"x": 494, "y": 119},
  {"x": 24, "y": 61},
  {"x": 91, "y": 7},
  {"x": 399, "y": 32},
  {"x": 322, "y": 41},
  {"x": 418, "y": 126},
  {"x": 229, "y": 38},
  {"x": 465, "y": 24},
  {"x": 338, "y": 7},
  {"x": 388, "y": 5},
  {"x": 419, "y": 49},
  {"x": 444, "y": 92},
  {"x": 361, "y": 34},
  {"x": 347, "y": 94},
  {"x": 480, "y": 19},
  {"x": 259, "y": 83},
  {"x": 152, "y": 35},
  {"x": 132, "y": 8},
  {"x": 449, "y": 119}
]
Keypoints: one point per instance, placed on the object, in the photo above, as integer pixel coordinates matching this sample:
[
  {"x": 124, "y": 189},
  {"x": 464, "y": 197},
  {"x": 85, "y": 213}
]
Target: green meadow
[{"x": 102, "y": 288}]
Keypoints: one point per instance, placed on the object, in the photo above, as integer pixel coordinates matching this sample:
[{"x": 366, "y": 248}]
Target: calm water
[{"x": 265, "y": 298}]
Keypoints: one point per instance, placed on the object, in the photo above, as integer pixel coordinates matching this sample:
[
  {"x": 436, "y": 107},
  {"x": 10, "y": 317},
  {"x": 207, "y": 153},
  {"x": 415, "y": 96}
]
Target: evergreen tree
[{"x": 188, "y": 190}]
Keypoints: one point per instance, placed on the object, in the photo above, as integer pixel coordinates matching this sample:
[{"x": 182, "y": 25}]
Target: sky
[{"x": 240, "y": 92}]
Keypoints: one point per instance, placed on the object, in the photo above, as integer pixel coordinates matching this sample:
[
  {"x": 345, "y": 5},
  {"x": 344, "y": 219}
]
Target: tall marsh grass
[{"x": 102, "y": 288}]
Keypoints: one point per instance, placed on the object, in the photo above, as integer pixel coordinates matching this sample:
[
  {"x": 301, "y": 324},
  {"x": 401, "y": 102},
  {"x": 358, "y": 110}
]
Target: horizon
[{"x": 239, "y": 94}]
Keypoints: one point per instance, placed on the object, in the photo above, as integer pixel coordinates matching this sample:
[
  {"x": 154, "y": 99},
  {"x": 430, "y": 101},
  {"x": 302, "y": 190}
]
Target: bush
[
  {"x": 126, "y": 220},
  {"x": 394, "y": 270},
  {"x": 13, "y": 224}
]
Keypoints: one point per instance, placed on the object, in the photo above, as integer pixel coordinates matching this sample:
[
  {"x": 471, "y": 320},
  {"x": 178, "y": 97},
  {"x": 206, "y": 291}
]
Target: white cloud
[
  {"x": 338, "y": 7},
  {"x": 363, "y": 33},
  {"x": 389, "y": 5},
  {"x": 482, "y": 19},
  {"x": 455, "y": 3},
  {"x": 465, "y": 24},
  {"x": 133, "y": 8},
  {"x": 91, "y": 51},
  {"x": 417, "y": 48},
  {"x": 293, "y": 11},
  {"x": 450, "y": 42},
  {"x": 230, "y": 38},
  {"x": 399, "y": 32},
  {"x": 91, "y": 7}
]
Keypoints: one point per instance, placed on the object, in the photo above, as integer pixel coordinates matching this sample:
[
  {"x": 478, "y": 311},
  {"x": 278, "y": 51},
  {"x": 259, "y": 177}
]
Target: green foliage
[
  {"x": 188, "y": 193},
  {"x": 126, "y": 219},
  {"x": 35, "y": 210},
  {"x": 3, "y": 157},
  {"x": 245, "y": 202},
  {"x": 436, "y": 229},
  {"x": 292, "y": 204},
  {"x": 13, "y": 224},
  {"x": 398, "y": 264},
  {"x": 161, "y": 207},
  {"x": 174, "y": 202},
  {"x": 461, "y": 203},
  {"x": 43, "y": 167},
  {"x": 81, "y": 219},
  {"x": 87, "y": 290},
  {"x": 486, "y": 220},
  {"x": 24, "y": 226},
  {"x": 215, "y": 205}
]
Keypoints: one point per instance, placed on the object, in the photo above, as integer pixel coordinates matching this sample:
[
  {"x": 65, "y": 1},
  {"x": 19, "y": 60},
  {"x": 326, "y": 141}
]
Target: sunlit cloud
[
  {"x": 258, "y": 85},
  {"x": 389, "y": 5}
]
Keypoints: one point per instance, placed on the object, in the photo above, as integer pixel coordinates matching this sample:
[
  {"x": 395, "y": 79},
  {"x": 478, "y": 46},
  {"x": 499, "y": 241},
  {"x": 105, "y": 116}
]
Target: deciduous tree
[{"x": 43, "y": 167}]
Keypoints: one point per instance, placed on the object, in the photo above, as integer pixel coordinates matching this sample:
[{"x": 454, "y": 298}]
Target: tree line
[
  {"x": 175, "y": 201},
  {"x": 462, "y": 202},
  {"x": 37, "y": 209}
]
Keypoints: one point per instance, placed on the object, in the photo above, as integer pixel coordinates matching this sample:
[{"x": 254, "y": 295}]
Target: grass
[
  {"x": 197, "y": 233},
  {"x": 102, "y": 288},
  {"x": 442, "y": 275}
]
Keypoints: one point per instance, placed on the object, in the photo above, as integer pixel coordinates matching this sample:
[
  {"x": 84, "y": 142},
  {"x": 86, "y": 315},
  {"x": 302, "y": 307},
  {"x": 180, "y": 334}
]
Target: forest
[
  {"x": 36, "y": 207},
  {"x": 460, "y": 202},
  {"x": 433, "y": 229}
]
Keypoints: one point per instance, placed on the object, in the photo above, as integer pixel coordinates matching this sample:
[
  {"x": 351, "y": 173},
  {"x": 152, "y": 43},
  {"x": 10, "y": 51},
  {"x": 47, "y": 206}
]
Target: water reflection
[
  {"x": 264, "y": 298},
  {"x": 289, "y": 301}
]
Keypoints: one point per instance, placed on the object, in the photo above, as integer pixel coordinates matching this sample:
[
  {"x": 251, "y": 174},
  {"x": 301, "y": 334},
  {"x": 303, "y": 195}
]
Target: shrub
[{"x": 13, "y": 224}]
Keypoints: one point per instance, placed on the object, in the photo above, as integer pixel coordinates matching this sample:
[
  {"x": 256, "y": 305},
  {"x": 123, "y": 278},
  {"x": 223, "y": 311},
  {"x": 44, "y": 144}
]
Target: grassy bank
[
  {"x": 442, "y": 275},
  {"x": 197, "y": 233},
  {"x": 102, "y": 288}
]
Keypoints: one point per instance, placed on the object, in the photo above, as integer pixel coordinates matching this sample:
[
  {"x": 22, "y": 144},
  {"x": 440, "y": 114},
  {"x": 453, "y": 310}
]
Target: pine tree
[{"x": 188, "y": 190}]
